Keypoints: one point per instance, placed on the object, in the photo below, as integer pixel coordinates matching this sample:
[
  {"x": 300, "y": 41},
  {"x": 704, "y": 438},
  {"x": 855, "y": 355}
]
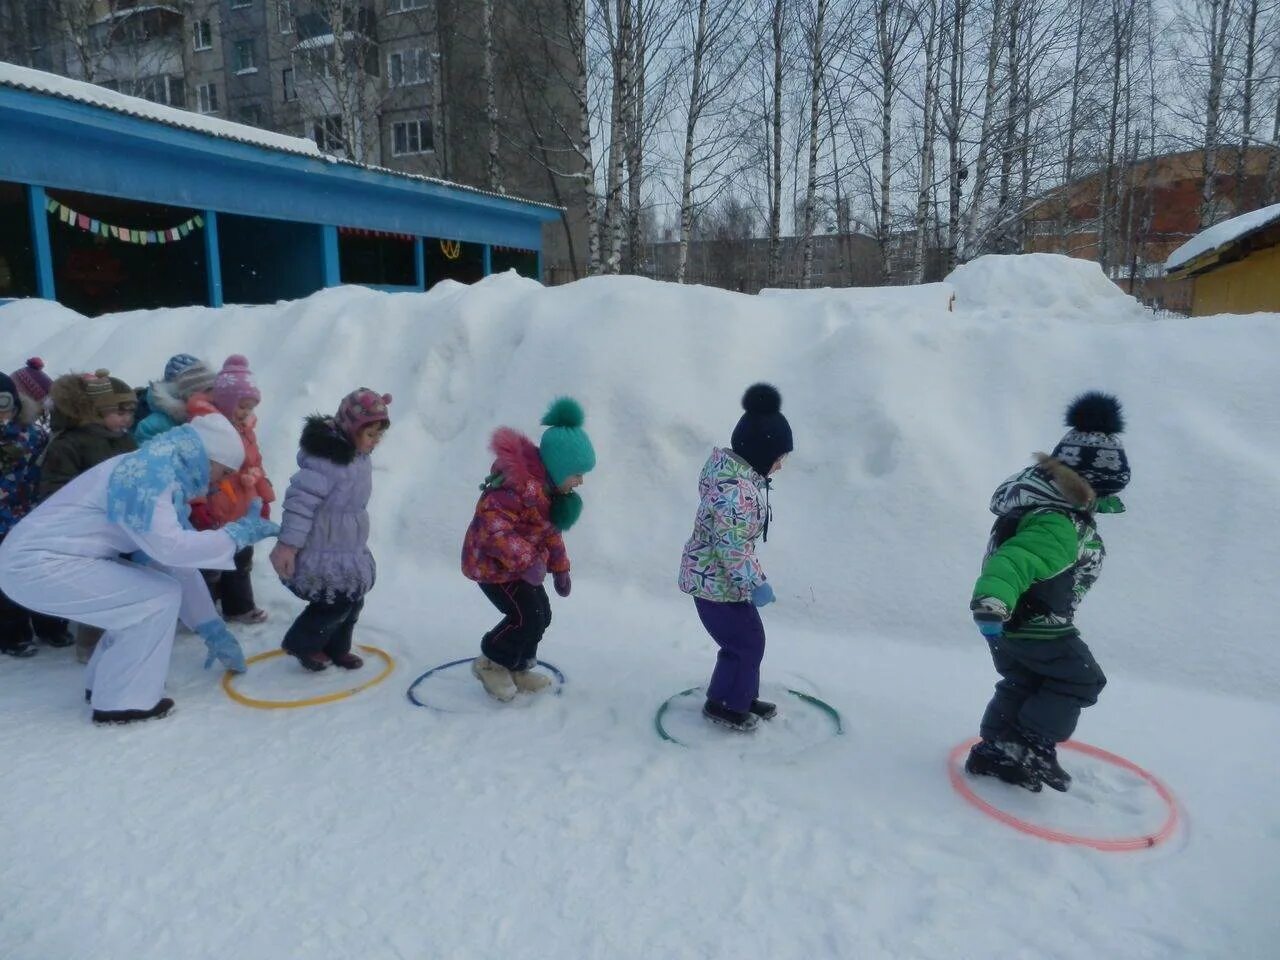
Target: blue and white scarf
[{"x": 176, "y": 456}]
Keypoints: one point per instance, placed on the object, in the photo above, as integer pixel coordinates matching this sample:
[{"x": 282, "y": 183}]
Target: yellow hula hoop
[{"x": 239, "y": 697}]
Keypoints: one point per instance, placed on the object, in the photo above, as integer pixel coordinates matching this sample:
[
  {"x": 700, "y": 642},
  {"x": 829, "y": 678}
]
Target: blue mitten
[
  {"x": 223, "y": 647},
  {"x": 989, "y": 615},
  {"x": 762, "y": 595},
  {"x": 252, "y": 527}
]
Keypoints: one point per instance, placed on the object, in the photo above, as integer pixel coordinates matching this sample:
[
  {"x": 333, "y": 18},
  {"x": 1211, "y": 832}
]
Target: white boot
[
  {"x": 495, "y": 677},
  {"x": 529, "y": 682}
]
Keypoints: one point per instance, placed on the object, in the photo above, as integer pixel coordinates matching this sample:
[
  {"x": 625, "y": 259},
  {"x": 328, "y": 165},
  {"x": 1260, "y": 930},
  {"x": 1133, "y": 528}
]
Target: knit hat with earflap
[
  {"x": 763, "y": 433},
  {"x": 192, "y": 379},
  {"x": 32, "y": 381},
  {"x": 1092, "y": 447},
  {"x": 233, "y": 384},
  {"x": 565, "y": 447},
  {"x": 107, "y": 393},
  {"x": 359, "y": 408},
  {"x": 222, "y": 443}
]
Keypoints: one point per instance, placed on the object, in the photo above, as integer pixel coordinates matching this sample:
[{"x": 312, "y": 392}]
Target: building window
[
  {"x": 284, "y": 13},
  {"x": 412, "y": 136},
  {"x": 327, "y": 133},
  {"x": 244, "y": 56},
  {"x": 396, "y": 6},
  {"x": 286, "y": 84},
  {"x": 202, "y": 35},
  {"x": 408, "y": 68},
  {"x": 250, "y": 113},
  {"x": 157, "y": 89},
  {"x": 207, "y": 98}
]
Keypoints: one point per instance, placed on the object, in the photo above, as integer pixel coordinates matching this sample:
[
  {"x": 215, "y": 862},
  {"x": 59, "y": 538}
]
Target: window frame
[
  {"x": 417, "y": 126},
  {"x": 207, "y": 98},
  {"x": 203, "y": 29},
  {"x": 241, "y": 67}
]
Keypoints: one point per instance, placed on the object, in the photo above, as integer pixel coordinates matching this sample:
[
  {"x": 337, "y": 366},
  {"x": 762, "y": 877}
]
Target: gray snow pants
[{"x": 1043, "y": 687}]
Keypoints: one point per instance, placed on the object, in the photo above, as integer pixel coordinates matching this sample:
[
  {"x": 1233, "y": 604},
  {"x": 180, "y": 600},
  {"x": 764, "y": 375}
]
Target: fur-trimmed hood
[
  {"x": 516, "y": 457},
  {"x": 322, "y": 438},
  {"x": 162, "y": 397},
  {"x": 1048, "y": 484},
  {"x": 71, "y": 404}
]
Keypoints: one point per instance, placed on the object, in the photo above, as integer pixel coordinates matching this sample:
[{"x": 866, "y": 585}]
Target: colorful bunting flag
[{"x": 124, "y": 234}]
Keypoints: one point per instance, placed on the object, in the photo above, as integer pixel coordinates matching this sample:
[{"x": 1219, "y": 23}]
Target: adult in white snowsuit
[{"x": 114, "y": 549}]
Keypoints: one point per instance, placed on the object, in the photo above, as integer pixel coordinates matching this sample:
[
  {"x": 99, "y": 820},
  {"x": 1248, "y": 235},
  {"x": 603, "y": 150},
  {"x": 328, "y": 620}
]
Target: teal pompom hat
[{"x": 565, "y": 447}]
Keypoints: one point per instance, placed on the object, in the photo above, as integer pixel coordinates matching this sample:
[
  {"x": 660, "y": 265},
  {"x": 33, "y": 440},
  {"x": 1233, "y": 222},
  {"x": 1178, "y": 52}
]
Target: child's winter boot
[
  {"x": 1042, "y": 757},
  {"x": 527, "y": 681},
  {"x": 764, "y": 709},
  {"x": 315, "y": 662},
  {"x": 742, "y": 721},
  {"x": 348, "y": 661},
  {"x": 496, "y": 678},
  {"x": 18, "y": 648},
  {"x": 1004, "y": 761},
  {"x": 58, "y": 637}
]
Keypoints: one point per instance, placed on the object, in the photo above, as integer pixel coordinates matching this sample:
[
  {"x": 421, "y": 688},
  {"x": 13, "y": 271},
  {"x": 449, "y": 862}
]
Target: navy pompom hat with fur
[
  {"x": 1092, "y": 447},
  {"x": 762, "y": 434}
]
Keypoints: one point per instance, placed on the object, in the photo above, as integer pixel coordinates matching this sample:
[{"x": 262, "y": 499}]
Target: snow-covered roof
[
  {"x": 39, "y": 81},
  {"x": 130, "y": 11},
  {"x": 1221, "y": 234}
]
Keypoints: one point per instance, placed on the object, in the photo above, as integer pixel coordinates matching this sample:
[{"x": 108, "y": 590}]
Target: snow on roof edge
[
  {"x": 80, "y": 91},
  {"x": 1220, "y": 234}
]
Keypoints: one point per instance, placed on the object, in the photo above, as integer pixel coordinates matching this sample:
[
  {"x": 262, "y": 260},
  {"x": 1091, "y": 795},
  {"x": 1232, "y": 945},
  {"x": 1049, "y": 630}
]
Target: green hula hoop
[{"x": 821, "y": 705}]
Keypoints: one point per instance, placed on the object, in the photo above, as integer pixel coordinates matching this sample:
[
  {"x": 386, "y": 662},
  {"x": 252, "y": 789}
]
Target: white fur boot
[
  {"x": 529, "y": 682},
  {"x": 495, "y": 677}
]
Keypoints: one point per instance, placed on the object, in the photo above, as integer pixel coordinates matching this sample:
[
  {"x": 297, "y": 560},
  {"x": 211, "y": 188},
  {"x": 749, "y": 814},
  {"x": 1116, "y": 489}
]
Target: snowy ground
[{"x": 564, "y": 827}]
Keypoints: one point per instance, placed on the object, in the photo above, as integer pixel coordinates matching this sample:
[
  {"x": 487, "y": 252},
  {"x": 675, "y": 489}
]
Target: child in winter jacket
[
  {"x": 235, "y": 396},
  {"x": 1043, "y": 555},
  {"x": 92, "y": 420},
  {"x": 23, "y": 438},
  {"x": 515, "y": 539},
  {"x": 719, "y": 568},
  {"x": 185, "y": 376},
  {"x": 323, "y": 551}
]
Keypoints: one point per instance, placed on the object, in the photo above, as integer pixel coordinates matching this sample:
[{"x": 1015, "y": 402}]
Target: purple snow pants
[{"x": 737, "y": 629}]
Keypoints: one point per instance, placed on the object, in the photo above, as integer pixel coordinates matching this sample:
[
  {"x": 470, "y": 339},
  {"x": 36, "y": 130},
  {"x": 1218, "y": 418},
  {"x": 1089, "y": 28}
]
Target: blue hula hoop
[{"x": 413, "y": 697}]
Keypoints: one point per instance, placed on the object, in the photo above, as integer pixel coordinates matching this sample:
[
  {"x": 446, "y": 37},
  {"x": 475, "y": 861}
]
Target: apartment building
[{"x": 390, "y": 83}]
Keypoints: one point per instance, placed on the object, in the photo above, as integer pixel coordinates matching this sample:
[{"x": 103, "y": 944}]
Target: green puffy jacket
[{"x": 1045, "y": 552}]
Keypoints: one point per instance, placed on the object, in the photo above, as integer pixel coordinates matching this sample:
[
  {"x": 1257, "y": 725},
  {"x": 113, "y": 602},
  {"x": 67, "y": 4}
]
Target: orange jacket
[{"x": 230, "y": 501}]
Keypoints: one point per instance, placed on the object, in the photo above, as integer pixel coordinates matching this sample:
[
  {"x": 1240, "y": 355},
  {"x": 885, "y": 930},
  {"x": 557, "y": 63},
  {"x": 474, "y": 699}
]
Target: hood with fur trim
[
  {"x": 322, "y": 438},
  {"x": 1049, "y": 483},
  {"x": 71, "y": 404},
  {"x": 516, "y": 457},
  {"x": 162, "y": 397}
]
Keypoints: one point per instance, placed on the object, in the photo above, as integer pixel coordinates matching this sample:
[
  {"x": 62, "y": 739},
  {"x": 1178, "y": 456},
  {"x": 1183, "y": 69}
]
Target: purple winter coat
[{"x": 326, "y": 516}]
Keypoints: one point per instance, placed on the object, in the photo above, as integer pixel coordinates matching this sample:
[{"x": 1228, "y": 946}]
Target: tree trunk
[
  {"x": 635, "y": 140},
  {"x": 577, "y": 22},
  {"x": 494, "y": 177},
  {"x": 1271, "y": 186},
  {"x": 1219, "y": 20},
  {"x": 690, "y": 131},
  {"x": 811, "y": 184},
  {"x": 1013, "y": 110},
  {"x": 983, "y": 166},
  {"x": 925, "y": 194},
  {"x": 1246, "y": 104},
  {"x": 775, "y": 174},
  {"x": 955, "y": 107}
]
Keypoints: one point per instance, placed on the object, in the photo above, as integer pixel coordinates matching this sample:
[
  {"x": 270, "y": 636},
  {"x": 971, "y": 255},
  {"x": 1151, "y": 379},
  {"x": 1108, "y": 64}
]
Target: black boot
[
  {"x": 1002, "y": 761},
  {"x": 743, "y": 722},
  {"x": 19, "y": 648},
  {"x": 764, "y": 709},
  {"x": 161, "y": 709},
  {"x": 1042, "y": 757}
]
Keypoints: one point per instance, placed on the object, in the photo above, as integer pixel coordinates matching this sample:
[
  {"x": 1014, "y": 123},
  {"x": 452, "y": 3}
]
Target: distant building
[
  {"x": 396, "y": 84},
  {"x": 1234, "y": 266},
  {"x": 1157, "y": 210}
]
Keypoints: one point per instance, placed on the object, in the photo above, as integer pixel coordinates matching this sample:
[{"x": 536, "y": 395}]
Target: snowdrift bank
[{"x": 905, "y": 419}]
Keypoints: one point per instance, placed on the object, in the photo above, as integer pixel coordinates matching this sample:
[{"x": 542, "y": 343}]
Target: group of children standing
[{"x": 1043, "y": 555}]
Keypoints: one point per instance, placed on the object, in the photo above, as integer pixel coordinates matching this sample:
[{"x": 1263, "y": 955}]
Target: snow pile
[
  {"x": 565, "y": 826},
  {"x": 1221, "y": 234},
  {"x": 1041, "y": 285}
]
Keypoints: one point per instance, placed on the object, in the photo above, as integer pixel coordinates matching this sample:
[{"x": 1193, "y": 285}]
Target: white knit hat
[{"x": 221, "y": 441}]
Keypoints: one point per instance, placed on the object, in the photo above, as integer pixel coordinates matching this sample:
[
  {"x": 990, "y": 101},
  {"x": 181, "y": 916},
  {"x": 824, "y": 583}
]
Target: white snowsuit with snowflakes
[{"x": 66, "y": 559}]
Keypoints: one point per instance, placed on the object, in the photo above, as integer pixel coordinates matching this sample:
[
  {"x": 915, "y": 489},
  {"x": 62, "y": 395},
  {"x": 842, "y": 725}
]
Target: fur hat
[
  {"x": 233, "y": 384},
  {"x": 565, "y": 447},
  {"x": 361, "y": 407},
  {"x": 763, "y": 433},
  {"x": 1092, "y": 447},
  {"x": 221, "y": 441},
  {"x": 32, "y": 381}
]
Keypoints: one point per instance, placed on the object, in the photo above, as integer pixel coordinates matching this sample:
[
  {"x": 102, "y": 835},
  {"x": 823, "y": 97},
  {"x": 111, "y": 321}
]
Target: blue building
[{"x": 110, "y": 202}]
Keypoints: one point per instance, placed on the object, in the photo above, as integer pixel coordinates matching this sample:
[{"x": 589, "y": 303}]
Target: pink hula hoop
[{"x": 954, "y": 762}]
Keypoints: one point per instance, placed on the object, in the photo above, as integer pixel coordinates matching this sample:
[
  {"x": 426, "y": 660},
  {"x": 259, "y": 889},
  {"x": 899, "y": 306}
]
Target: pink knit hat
[
  {"x": 32, "y": 381},
  {"x": 233, "y": 384},
  {"x": 359, "y": 408}
]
